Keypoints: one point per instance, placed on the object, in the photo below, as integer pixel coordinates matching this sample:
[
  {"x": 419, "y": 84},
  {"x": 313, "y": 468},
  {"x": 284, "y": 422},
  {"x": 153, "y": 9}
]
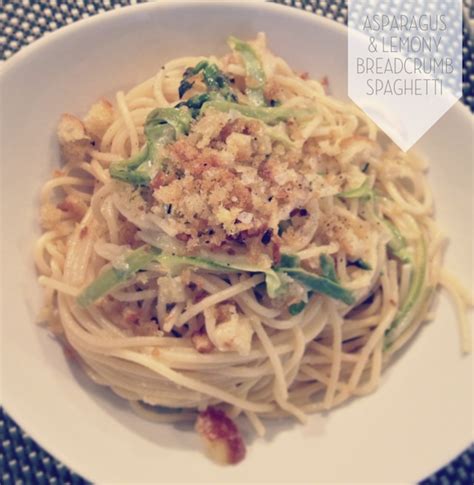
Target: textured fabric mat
[{"x": 22, "y": 461}]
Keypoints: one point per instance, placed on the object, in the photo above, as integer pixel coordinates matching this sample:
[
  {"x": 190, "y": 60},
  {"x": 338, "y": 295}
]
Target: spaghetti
[{"x": 230, "y": 235}]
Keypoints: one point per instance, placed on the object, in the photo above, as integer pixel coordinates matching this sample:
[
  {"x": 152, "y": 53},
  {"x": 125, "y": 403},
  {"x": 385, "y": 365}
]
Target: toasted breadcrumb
[
  {"x": 221, "y": 436},
  {"x": 50, "y": 216},
  {"x": 74, "y": 206},
  {"x": 234, "y": 332},
  {"x": 201, "y": 342},
  {"x": 226, "y": 191},
  {"x": 75, "y": 143},
  {"x": 99, "y": 117}
]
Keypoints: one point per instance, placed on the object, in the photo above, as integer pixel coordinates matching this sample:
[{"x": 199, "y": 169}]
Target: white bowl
[{"x": 418, "y": 419}]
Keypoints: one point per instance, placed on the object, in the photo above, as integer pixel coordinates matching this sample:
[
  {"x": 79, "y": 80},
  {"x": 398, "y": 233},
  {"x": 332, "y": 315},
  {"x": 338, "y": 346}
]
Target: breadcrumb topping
[
  {"x": 74, "y": 140},
  {"x": 225, "y": 184}
]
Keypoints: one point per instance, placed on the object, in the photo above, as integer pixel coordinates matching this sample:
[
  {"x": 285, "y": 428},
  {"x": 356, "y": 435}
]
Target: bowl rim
[
  {"x": 8, "y": 67},
  {"x": 49, "y": 37}
]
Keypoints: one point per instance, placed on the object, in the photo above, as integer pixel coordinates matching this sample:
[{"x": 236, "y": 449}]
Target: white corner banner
[{"x": 405, "y": 63}]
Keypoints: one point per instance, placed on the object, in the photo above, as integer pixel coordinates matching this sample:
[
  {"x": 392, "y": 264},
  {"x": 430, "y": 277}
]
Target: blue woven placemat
[{"x": 22, "y": 461}]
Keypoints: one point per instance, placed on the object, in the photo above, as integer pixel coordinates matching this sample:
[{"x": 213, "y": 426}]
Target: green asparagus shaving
[
  {"x": 162, "y": 126},
  {"x": 195, "y": 103},
  {"x": 216, "y": 80},
  {"x": 326, "y": 284},
  {"x": 184, "y": 86},
  {"x": 175, "y": 263},
  {"x": 179, "y": 119},
  {"x": 213, "y": 77},
  {"x": 415, "y": 293},
  {"x": 363, "y": 192},
  {"x": 125, "y": 170},
  {"x": 397, "y": 245},
  {"x": 255, "y": 74},
  {"x": 360, "y": 263},
  {"x": 327, "y": 267},
  {"x": 218, "y": 87},
  {"x": 319, "y": 284},
  {"x": 296, "y": 308},
  {"x": 289, "y": 261},
  {"x": 140, "y": 258},
  {"x": 276, "y": 279},
  {"x": 135, "y": 261},
  {"x": 274, "y": 282},
  {"x": 270, "y": 116}
]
